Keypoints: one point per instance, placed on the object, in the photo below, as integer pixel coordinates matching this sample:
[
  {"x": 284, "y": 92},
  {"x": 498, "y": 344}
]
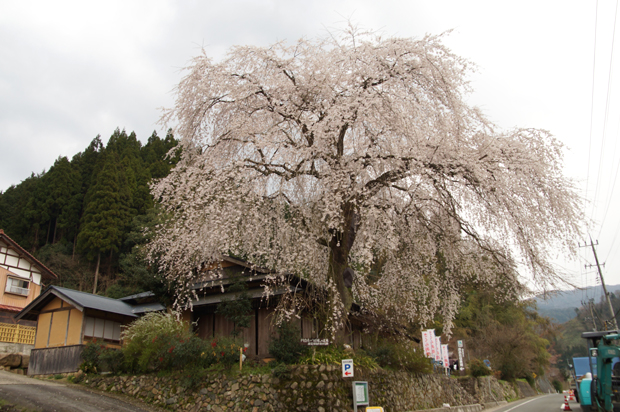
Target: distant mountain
[{"x": 560, "y": 305}]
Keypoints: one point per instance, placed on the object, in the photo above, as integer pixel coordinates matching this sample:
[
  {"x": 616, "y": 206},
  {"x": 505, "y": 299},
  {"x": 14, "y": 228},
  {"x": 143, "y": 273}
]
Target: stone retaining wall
[{"x": 306, "y": 388}]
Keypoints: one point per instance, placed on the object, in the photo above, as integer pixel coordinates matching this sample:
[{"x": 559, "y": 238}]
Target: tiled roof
[
  {"x": 9, "y": 308},
  {"x": 81, "y": 300}
]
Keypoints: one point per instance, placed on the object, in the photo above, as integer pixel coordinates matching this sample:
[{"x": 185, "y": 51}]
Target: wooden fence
[
  {"x": 17, "y": 333},
  {"x": 46, "y": 361}
]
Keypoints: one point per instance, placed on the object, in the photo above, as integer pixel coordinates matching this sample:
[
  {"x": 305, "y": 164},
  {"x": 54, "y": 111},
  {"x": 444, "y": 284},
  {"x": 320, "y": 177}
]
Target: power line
[
  {"x": 609, "y": 82},
  {"x": 592, "y": 101}
]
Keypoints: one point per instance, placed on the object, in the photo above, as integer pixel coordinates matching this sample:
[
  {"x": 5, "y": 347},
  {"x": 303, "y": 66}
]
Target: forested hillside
[
  {"x": 594, "y": 315},
  {"x": 562, "y": 305},
  {"x": 78, "y": 217}
]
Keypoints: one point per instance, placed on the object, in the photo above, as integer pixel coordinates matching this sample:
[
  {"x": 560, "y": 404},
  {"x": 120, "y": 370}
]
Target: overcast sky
[{"x": 72, "y": 70}]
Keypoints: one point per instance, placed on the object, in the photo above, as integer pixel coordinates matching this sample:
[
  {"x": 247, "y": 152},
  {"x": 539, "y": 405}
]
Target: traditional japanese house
[
  {"x": 211, "y": 293},
  {"x": 21, "y": 278},
  {"x": 67, "y": 319}
]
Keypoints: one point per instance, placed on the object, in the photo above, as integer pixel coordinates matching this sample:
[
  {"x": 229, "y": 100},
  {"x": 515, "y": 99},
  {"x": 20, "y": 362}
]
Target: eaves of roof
[
  {"x": 80, "y": 300},
  {"x": 45, "y": 271}
]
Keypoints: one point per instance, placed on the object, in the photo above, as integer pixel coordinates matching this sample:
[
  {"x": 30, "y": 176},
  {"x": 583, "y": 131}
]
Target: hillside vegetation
[{"x": 78, "y": 217}]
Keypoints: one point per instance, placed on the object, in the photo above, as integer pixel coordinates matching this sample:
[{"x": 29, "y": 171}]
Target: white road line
[{"x": 515, "y": 407}]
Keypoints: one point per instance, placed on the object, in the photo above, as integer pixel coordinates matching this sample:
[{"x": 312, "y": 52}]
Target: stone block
[{"x": 11, "y": 360}]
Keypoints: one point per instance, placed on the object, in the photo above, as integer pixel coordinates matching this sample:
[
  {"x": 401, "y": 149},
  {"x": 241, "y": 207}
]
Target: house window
[
  {"x": 17, "y": 286},
  {"x": 102, "y": 328}
]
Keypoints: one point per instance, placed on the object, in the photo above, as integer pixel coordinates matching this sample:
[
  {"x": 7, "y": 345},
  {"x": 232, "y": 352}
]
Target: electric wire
[
  {"x": 608, "y": 97},
  {"x": 592, "y": 101}
]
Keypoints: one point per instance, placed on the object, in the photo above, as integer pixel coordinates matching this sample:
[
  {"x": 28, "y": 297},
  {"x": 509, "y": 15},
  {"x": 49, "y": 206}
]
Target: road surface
[
  {"x": 49, "y": 396},
  {"x": 544, "y": 403}
]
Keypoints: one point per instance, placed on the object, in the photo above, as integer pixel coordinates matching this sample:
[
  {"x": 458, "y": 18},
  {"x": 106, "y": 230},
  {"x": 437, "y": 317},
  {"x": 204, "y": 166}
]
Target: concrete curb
[
  {"x": 489, "y": 405},
  {"x": 458, "y": 408}
]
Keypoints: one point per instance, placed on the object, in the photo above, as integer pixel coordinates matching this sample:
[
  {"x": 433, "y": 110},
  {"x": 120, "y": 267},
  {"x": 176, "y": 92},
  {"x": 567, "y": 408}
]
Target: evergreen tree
[
  {"x": 106, "y": 214},
  {"x": 46, "y": 213},
  {"x": 63, "y": 186}
]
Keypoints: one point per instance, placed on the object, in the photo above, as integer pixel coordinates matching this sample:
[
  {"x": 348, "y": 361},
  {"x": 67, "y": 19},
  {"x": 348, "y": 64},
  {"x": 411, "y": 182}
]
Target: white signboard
[
  {"x": 461, "y": 357},
  {"x": 426, "y": 343},
  {"x": 438, "y": 350},
  {"x": 315, "y": 342},
  {"x": 433, "y": 342},
  {"x": 445, "y": 356},
  {"x": 347, "y": 368}
]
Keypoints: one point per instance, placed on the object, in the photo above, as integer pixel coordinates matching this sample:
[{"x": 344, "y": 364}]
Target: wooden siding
[
  {"x": 59, "y": 324},
  {"x": 59, "y": 328},
  {"x": 204, "y": 327},
  {"x": 74, "y": 333},
  {"x": 211, "y": 325},
  {"x": 223, "y": 326},
  {"x": 265, "y": 329},
  {"x": 19, "y": 264},
  {"x": 11, "y": 299},
  {"x": 43, "y": 330},
  {"x": 62, "y": 359}
]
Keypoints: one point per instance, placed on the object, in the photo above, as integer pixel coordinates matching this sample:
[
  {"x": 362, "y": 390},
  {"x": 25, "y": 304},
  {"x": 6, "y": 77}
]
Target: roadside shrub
[
  {"x": 286, "y": 346},
  {"x": 477, "y": 368},
  {"x": 112, "y": 360},
  {"x": 334, "y": 355},
  {"x": 400, "y": 356},
  {"x": 91, "y": 362},
  {"x": 149, "y": 337},
  {"x": 224, "y": 350},
  {"x": 97, "y": 357},
  {"x": 557, "y": 385}
]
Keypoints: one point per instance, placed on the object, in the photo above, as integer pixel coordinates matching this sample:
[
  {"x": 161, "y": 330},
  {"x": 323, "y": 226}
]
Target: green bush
[
  {"x": 159, "y": 342},
  {"x": 97, "y": 357},
  {"x": 286, "y": 346},
  {"x": 148, "y": 340},
  {"x": 112, "y": 360},
  {"x": 557, "y": 385},
  {"x": 477, "y": 368},
  {"x": 223, "y": 350},
  {"x": 335, "y": 354},
  {"x": 91, "y": 362},
  {"x": 400, "y": 356}
]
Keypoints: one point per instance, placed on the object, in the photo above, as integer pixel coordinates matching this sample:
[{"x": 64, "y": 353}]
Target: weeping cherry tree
[{"x": 355, "y": 162}]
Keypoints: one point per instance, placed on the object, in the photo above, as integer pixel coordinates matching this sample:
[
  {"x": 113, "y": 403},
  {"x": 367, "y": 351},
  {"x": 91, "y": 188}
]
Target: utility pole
[
  {"x": 590, "y": 303},
  {"x": 600, "y": 274}
]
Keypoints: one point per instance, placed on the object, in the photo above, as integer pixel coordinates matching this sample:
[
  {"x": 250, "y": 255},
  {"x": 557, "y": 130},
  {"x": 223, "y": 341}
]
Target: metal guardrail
[{"x": 17, "y": 333}]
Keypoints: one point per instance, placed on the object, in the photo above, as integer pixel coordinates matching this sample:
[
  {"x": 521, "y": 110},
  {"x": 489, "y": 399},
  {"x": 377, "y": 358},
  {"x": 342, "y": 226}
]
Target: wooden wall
[
  {"x": 16, "y": 300},
  {"x": 59, "y": 324},
  {"x": 211, "y": 325},
  {"x": 63, "y": 359}
]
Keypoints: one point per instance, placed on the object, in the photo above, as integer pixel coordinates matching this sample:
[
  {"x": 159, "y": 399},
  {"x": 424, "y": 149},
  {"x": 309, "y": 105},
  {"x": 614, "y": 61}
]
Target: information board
[{"x": 360, "y": 394}]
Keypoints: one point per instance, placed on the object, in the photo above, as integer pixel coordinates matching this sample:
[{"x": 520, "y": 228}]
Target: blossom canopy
[{"x": 356, "y": 163}]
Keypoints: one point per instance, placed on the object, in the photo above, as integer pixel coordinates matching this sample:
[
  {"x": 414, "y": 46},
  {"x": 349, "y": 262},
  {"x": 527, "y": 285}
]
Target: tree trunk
[
  {"x": 36, "y": 239},
  {"x": 49, "y": 228},
  {"x": 340, "y": 246},
  {"x": 55, "y": 228},
  {"x": 74, "y": 245},
  {"x": 110, "y": 265},
  {"x": 96, "y": 273}
]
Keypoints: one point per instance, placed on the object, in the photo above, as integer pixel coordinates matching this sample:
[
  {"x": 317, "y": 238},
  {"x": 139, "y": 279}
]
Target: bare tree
[{"x": 356, "y": 161}]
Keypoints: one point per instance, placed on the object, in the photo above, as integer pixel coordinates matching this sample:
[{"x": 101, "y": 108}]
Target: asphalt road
[
  {"x": 49, "y": 396},
  {"x": 543, "y": 403}
]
